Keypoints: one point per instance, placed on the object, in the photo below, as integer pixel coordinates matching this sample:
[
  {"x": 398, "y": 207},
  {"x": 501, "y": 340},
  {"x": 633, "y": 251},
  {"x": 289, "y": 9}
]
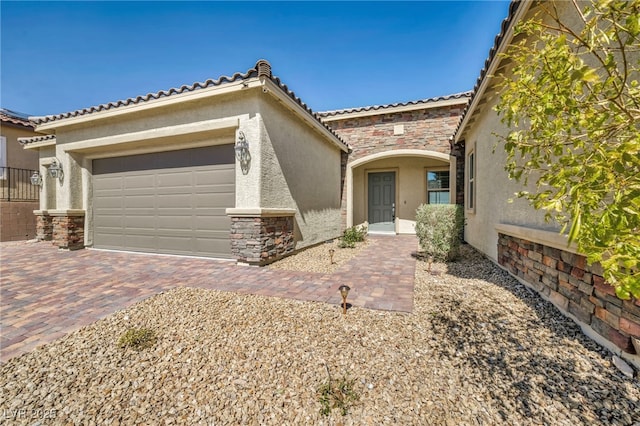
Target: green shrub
[
  {"x": 340, "y": 394},
  {"x": 138, "y": 338},
  {"x": 353, "y": 235},
  {"x": 439, "y": 230}
]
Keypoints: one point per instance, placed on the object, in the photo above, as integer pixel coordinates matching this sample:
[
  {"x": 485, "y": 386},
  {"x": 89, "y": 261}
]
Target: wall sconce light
[
  {"x": 344, "y": 292},
  {"x": 55, "y": 170},
  {"x": 36, "y": 179},
  {"x": 242, "y": 152}
]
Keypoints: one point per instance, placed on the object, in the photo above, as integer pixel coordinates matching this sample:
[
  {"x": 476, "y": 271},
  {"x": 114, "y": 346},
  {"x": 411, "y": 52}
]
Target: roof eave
[
  {"x": 337, "y": 116},
  {"x": 519, "y": 13},
  {"x": 149, "y": 105}
]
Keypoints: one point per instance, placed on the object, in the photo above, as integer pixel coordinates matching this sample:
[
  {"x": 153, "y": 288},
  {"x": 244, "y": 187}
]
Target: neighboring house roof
[
  {"x": 36, "y": 139},
  {"x": 261, "y": 69},
  {"x": 339, "y": 114},
  {"x": 517, "y": 9},
  {"x": 12, "y": 117}
]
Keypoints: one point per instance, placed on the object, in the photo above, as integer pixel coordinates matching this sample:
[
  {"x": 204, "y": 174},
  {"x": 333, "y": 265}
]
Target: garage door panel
[
  {"x": 176, "y": 200},
  {"x": 174, "y": 222},
  {"x": 108, "y": 183},
  {"x": 175, "y": 179},
  {"x": 222, "y": 176},
  {"x": 139, "y": 182},
  {"x": 172, "y": 202},
  {"x": 109, "y": 221},
  {"x": 141, "y": 240},
  {"x": 108, "y": 201},
  {"x": 213, "y": 200},
  {"x": 204, "y": 223}
]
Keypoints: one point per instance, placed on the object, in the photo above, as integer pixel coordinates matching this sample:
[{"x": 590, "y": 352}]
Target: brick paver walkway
[{"x": 46, "y": 292}]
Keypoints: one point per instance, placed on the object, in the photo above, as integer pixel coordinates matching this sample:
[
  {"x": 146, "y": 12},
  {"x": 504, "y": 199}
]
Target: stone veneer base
[
  {"x": 259, "y": 240},
  {"x": 565, "y": 279},
  {"x": 65, "y": 228}
]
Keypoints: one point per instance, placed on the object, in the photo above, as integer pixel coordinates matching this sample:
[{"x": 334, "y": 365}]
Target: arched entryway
[{"x": 386, "y": 188}]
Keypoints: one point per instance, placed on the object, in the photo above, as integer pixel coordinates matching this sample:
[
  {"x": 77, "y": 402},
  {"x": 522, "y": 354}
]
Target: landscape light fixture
[
  {"x": 36, "y": 179},
  {"x": 242, "y": 152},
  {"x": 55, "y": 170},
  {"x": 331, "y": 253},
  {"x": 344, "y": 292}
]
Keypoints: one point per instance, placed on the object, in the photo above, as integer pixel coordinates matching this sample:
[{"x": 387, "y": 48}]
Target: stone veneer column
[
  {"x": 68, "y": 228},
  {"x": 261, "y": 236},
  {"x": 44, "y": 225}
]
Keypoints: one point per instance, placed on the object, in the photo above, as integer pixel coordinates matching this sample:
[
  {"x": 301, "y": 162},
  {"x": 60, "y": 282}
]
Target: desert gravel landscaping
[{"x": 478, "y": 349}]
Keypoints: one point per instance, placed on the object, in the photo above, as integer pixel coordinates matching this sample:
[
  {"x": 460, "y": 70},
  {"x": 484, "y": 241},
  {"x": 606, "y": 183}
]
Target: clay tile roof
[
  {"x": 506, "y": 23},
  {"x": 462, "y": 95},
  {"x": 12, "y": 117},
  {"x": 34, "y": 139},
  {"x": 148, "y": 97},
  {"x": 262, "y": 68}
]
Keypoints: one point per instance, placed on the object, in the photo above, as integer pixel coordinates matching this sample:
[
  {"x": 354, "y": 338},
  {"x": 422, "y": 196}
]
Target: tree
[{"x": 571, "y": 100}]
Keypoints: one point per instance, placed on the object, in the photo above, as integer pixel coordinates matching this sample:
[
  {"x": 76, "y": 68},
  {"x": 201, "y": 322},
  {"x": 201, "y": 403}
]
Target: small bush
[
  {"x": 337, "y": 394},
  {"x": 138, "y": 338},
  {"x": 439, "y": 229},
  {"x": 353, "y": 235}
]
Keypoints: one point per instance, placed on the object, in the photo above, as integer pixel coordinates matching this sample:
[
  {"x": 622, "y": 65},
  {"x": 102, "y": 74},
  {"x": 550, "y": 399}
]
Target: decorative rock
[
  {"x": 623, "y": 366},
  {"x": 477, "y": 349}
]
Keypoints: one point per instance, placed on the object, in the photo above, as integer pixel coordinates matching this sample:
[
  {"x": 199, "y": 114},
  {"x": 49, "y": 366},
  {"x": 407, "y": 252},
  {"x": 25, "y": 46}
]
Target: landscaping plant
[
  {"x": 337, "y": 394},
  {"x": 138, "y": 338},
  {"x": 353, "y": 235},
  {"x": 572, "y": 101},
  {"x": 439, "y": 229}
]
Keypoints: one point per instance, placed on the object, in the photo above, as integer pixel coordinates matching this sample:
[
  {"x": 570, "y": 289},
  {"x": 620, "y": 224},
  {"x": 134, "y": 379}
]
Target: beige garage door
[{"x": 168, "y": 202}]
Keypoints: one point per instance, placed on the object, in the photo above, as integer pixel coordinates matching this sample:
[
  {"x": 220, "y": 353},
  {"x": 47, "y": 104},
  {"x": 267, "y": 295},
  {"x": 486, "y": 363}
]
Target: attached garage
[{"x": 166, "y": 202}]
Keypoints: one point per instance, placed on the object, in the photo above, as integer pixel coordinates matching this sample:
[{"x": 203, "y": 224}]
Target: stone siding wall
[
  {"x": 261, "y": 240},
  {"x": 44, "y": 227},
  {"x": 68, "y": 232},
  {"x": 574, "y": 287},
  {"x": 458, "y": 152},
  {"x": 423, "y": 129}
]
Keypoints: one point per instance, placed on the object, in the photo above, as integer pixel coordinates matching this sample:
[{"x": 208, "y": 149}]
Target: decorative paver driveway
[{"x": 47, "y": 293}]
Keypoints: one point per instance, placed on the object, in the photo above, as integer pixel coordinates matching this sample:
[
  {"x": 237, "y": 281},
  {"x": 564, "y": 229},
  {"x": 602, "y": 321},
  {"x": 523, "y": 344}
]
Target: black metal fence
[{"x": 15, "y": 185}]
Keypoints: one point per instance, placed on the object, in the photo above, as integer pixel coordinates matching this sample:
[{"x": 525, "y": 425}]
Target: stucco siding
[
  {"x": 300, "y": 170},
  {"x": 224, "y": 106},
  {"x": 17, "y": 156},
  {"x": 496, "y": 200}
]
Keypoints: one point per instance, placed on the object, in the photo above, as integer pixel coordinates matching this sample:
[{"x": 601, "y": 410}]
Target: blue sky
[{"x": 62, "y": 56}]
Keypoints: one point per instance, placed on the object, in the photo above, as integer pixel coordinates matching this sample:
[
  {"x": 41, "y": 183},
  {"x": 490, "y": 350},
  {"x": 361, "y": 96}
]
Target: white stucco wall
[
  {"x": 300, "y": 170},
  {"x": 494, "y": 189}
]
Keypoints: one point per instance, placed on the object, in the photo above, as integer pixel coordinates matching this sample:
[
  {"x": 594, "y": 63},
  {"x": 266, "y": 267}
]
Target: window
[
  {"x": 438, "y": 187},
  {"x": 471, "y": 181}
]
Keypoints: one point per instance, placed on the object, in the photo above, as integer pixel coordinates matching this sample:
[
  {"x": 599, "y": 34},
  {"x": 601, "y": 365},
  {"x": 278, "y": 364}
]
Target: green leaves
[{"x": 572, "y": 99}]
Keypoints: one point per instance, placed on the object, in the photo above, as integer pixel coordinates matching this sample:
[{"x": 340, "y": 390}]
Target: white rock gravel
[
  {"x": 479, "y": 349},
  {"x": 318, "y": 258}
]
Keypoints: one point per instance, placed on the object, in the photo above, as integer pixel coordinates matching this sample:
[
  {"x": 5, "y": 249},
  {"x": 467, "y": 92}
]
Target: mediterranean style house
[{"x": 241, "y": 168}]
